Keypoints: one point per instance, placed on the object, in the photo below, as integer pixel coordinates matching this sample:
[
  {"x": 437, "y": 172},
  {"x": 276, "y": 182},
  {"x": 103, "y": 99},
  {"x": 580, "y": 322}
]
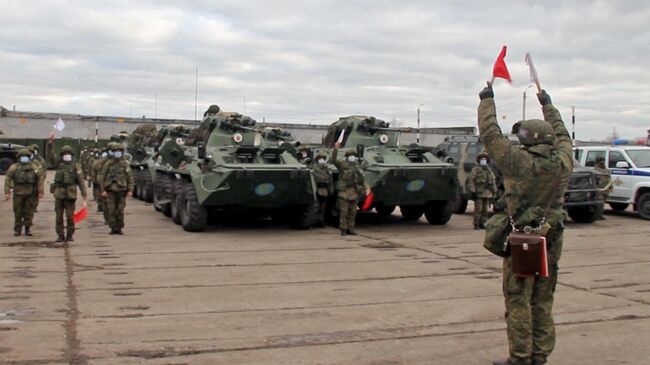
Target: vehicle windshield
[{"x": 641, "y": 158}]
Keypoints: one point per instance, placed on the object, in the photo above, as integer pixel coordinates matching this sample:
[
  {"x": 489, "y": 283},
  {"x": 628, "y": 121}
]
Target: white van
[{"x": 630, "y": 168}]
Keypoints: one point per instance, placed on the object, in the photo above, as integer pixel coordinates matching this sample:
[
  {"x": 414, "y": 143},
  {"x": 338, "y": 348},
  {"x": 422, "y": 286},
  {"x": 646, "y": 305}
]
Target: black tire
[
  {"x": 411, "y": 212},
  {"x": 582, "y": 214},
  {"x": 618, "y": 207},
  {"x": 5, "y": 164},
  {"x": 643, "y": 206},
  {"x": 305, "y": 217},
  {"x": 385, "y": 210},
  {"x": 194, "y": 216},
  {"x": 461, "y": 206},
  {"x": 137, "y": 178},
  {"x": 167, "y": 186},
  {"x": 147, "y": 187},
  {"x": 178, "y": 194},
  {"x": 439, "y": 212},
  {"x": 158, "y": 191}
]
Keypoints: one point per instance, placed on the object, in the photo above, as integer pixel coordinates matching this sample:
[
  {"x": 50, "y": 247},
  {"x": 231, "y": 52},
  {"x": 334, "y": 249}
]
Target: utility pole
[
  {"x": 417, "y": 138},
  {"x": 155, "y": 110},
  {"x": 573, "y": 124},
  {"x": 196, "y": 95},
  {"x": 523, "y": 107}
]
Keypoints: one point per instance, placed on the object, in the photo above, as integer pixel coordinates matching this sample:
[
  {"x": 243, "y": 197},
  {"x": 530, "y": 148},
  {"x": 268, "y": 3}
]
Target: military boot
[
  {"x": 28, "y": 232},
  {"x": 69, "y": 238},
  {"x": 476, "y": 226},
  {"x": 539, "y": 359},
  {"x": 119, "y": 231},
  {"x": 17, "y": 231},
  {"x": 343, "y": 232},
  {"x": 113, "y": 231},
  {"x": 513, "y": 361},
  {"x": 60, "y": 238},
  {"x": 351, "y": 232}
]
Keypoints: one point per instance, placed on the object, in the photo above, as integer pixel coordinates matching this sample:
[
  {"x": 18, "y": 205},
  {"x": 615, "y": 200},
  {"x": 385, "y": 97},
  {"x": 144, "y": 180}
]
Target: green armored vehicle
[
  {"x": 409, "y": 177},
  {"x": 226, "y": 165},
  {"x": 580, "y": 198},
  {"x": 8, "y": 155}
]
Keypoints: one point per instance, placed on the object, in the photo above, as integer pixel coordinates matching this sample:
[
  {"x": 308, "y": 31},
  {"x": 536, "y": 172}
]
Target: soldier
[
  {"x": 67, "y": 178},
  {"x": 95, "y": 168},
  {"x": 83, "y": 161},
  {"x": 41, "y": 167},
  {"x": 27, "y": 185},
  {"x": 535, "y": 174},
  {"x": 604, "y": 183},
  {"x": 116, "y": 184},
  {"x": 324, "y": 185},
  {"x": 350, "y": 186},
  {"x": 483, "y": 185}
]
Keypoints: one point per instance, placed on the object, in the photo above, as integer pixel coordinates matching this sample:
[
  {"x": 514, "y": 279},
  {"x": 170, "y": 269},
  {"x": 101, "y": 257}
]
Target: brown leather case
[{"x": 525, "y": 249}]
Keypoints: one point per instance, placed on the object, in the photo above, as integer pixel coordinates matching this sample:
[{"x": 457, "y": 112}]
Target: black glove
[
  {"x": 544, "y": 98},
  {"x": 486, "y": 92}
]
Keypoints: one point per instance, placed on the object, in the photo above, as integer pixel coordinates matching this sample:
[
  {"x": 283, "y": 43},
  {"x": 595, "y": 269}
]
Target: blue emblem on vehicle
[
  {"x": 415, "y": 185},
  {"x": 264, "y": 189}
]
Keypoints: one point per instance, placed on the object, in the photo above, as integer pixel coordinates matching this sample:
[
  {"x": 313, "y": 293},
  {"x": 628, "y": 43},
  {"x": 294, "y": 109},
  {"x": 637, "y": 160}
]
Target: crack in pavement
[{"x": 72, "y": 352}]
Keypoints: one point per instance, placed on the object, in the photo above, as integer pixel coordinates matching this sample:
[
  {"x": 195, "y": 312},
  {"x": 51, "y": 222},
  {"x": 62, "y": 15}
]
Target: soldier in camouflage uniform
[
  {"x": 324, "y": 186},
  {"x": 604, "y": 183},
  {"x": 95, "y": 169},
  {"x": 27, "y": 185},
  {"x": 482, "y": 184},
  {"x": 350, "y": 185},
  {"x": 67, "y": 178},
  {"x": 116, "y": 184},
  {"x": 535, "y": 174},
  {"x": 41, "y": 167}
]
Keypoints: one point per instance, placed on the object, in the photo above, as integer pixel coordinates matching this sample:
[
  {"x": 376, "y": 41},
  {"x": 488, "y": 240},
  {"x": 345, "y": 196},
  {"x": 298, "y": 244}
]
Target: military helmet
[
  {"x": 118, "y": 146},
  {"x": 350, "y": 153},
  {"x": 600, "y": 160},
  {"x": 534, "y": 131},
  {"x": 321, "y": 155},
  {"x": 33, "y": 148},
  {"x": 24, "y": 152},
  {"x": 67, "y": 149},
  {"x": 481, "y": 156}
]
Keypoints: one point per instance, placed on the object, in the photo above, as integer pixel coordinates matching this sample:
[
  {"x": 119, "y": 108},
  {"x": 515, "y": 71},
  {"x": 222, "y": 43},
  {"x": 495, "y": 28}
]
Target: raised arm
[{"x": 552, "y": 116}]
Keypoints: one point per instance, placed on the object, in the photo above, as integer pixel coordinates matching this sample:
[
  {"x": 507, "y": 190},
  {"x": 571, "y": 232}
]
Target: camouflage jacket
[
  {"x": 116, "y": 175},
  {"x": 24, "y": 178},
  {"x": 532, "y": 175},
  {"x": 482, "y": 182},
  {"x": 67, "y": 178},
  {"x": 351, "y": 183},
  {"x": 96, "y": 168},
  {"x": 604, "y": 179},
  {"x": 323, "y": 178},
  {"x": 41, "y": 165}
]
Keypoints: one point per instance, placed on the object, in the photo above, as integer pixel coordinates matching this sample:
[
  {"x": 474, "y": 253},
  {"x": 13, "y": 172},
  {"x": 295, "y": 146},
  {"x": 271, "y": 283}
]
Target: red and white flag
[{"x": 500, "y": 69}]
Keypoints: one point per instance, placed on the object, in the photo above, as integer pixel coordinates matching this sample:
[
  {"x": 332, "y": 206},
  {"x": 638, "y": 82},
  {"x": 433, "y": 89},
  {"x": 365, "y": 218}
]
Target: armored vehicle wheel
[
  {"x": 411, "y": 212},
  {"x": 158, "y": 191},
  {"x": 582, "y": 214},
  {"x": 385, "y": 210},
  {"x": 178, "y": 194},
  {"x": 461, "y": 205},
  {"x": 304, "y": 217},
  {"x": 194, "y": 216},
  {"x": 137, "y": 178},
  {"x": 167, "y": 186},
  {"x": 643, "y": 205},
  {"x": 439, "y": 212},
  {"x": 618, "y": 207},
  {"x": 5, "y": 163},
  {"x": 147, "y": 187}
]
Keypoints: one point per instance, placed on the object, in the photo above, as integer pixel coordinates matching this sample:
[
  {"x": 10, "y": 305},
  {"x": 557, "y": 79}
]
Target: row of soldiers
[{"x": 111, "y": 178}]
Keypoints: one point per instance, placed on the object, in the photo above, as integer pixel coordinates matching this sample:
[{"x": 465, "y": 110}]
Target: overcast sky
[{"x": 314, "y": 61}]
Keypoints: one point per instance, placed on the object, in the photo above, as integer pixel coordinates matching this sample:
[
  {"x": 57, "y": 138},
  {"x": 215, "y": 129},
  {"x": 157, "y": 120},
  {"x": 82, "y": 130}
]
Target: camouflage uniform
[
  {"x": 116, "y": 182},
  {"x": 534, "y": 174},
  {"x": 95, "y": 169},
  {"x": 324, "y": 186},
  {"x": 483, "y": 187},
  {"x": 350, "y": 186},
  {"x": 605, "y": 183},
  {"x": 67, "y": 178},
  {"x": 27, "y": 185},
  {"x": 41, "y": 166}
]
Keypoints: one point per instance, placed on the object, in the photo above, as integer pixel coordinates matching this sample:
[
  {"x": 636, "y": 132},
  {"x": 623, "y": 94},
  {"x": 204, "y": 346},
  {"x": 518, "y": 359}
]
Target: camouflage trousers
[
  {"x": 114, "y": 209},
  {"x": 97, "y": 195},
  {"x": 66, "y": 206},
  {"x": 322, "y": 206},
  {"x": 347, "y": 214},
  {"x": 529, "y": 317},
  {"x": 24, "y": 208},
  {"x": 481, "y": 210},
  {"x": 600, "y": 208}
]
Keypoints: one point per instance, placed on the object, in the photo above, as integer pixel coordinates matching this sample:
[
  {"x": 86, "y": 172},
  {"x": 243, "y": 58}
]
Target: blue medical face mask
[
  {"x": 67, "y": 157},
  {"x": 24, "y": 159},
  {"x": 117, "y": 154},
  {"x": 104, "y": 154}
]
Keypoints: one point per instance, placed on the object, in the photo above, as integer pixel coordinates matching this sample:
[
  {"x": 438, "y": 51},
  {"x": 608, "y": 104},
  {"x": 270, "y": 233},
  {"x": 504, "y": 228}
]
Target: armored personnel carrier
[
  {"x": 226, "y": 165},
  {"x": 8, "y": 155},
  {"x": 409, "y": 177},
  {"x": 579, "y": 199}
]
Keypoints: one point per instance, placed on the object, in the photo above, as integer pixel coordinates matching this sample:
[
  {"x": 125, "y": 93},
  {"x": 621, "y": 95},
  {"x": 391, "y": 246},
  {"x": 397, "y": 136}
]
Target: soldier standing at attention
[
  {"x": 324, "y": 185},
  {"x": 604, "y": 179},
  {"x": 350, "y": 186},
  {"x": 116, "y": 180},
  {"x": 41, "y": 167},
  {"x": 535, "y": 174},
  {"x": 483, "y": 185},
  {"x": 67, "y": 178},
  {"x": 27, "y": 189}
]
